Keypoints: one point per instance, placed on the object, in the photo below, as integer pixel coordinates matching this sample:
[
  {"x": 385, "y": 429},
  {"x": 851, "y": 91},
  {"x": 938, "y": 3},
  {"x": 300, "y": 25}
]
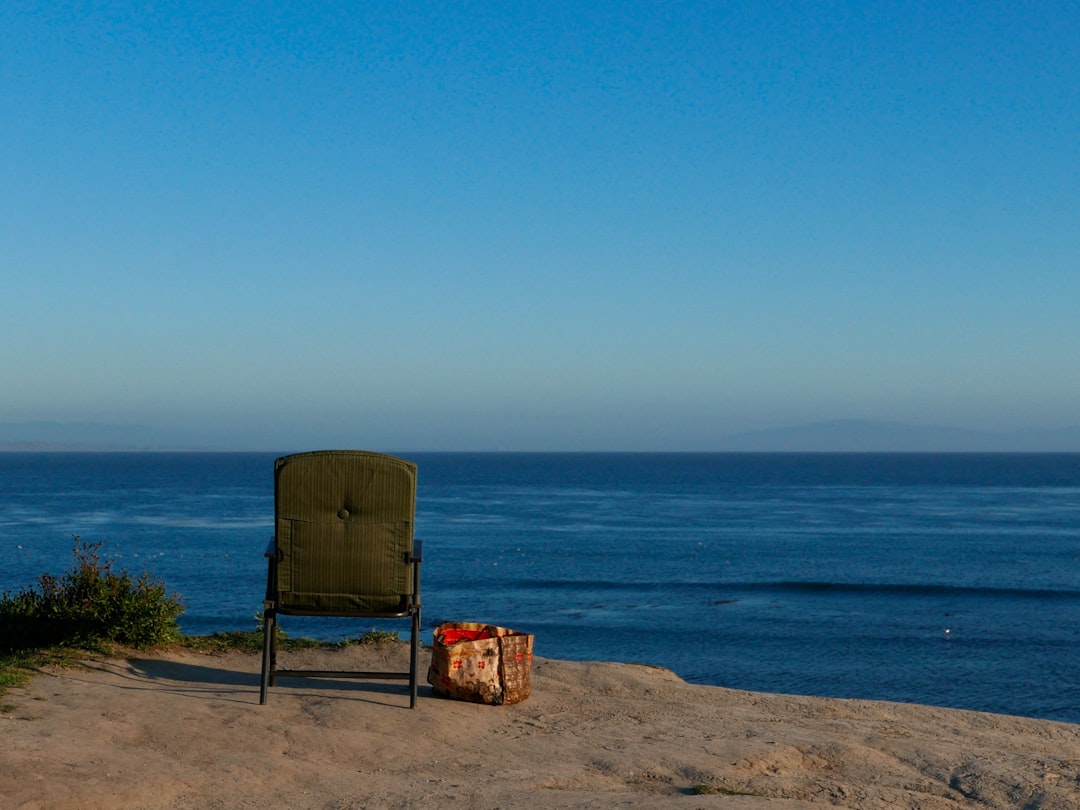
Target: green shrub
[
  {"x": 246, "y": 640},
  {"x": 378, "y": 637},
  {"x": 89, "y": 606}
]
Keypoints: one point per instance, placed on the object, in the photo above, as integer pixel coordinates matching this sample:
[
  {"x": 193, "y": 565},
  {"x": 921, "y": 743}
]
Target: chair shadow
[
  {"x": 219, "y": 683},
  {"x": 159, "y": 670}
]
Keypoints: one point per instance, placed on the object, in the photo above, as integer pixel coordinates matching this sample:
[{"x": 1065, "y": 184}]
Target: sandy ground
[{"x": 185, "y": 730}]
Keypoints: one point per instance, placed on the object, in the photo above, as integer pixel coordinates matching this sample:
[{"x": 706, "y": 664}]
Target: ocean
[{"x": 944, "y": 579}]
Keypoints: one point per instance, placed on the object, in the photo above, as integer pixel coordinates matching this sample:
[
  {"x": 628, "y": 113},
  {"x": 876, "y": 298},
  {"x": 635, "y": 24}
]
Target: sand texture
[{"x": 185, "y": 730}]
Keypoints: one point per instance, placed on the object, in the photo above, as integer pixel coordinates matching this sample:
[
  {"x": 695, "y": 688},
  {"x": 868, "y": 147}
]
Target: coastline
[
  {"x": 180, "y": 730},
  {"x": 805, "y": 562}
]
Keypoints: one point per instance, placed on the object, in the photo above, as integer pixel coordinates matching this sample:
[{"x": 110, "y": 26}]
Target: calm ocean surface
[{"x": 951, "y": 580}]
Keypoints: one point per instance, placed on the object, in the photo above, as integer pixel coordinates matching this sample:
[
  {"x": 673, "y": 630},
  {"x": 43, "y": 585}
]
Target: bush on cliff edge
[{"x": 89, "y": 607}]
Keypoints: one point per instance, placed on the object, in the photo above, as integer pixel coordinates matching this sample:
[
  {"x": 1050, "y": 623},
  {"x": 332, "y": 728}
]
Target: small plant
[
  {"x": 14, "y": 671},
  {"x": 378, "y": 637},
  {"x": 90, "y": 606},
  {"x": 247, "y": 640}
]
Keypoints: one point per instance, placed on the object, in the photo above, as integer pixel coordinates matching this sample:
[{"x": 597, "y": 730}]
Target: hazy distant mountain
[
  {"x": 860, "y": 435},
  {"x": 854, "y": 435},
  {"x": 43, "y": 435}
]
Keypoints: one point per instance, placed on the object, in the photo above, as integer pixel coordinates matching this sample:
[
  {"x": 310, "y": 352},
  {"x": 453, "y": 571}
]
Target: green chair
[{"x": 343, "y": 546}]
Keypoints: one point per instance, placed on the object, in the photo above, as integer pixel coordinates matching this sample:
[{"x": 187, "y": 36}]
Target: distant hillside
[
  {"x": 859, "y": 435},
  {"x": 844, "y": 436},
  {"x": 44, "y": 435}
]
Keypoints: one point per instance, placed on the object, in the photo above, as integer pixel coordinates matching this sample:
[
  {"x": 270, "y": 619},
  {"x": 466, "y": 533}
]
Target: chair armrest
[
  {"x": 417, "y": 555},
  {"x": 270, "y": 548}
]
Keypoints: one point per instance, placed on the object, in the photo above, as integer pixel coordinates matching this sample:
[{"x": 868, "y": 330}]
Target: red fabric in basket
[{"x": 455, "y": 634}]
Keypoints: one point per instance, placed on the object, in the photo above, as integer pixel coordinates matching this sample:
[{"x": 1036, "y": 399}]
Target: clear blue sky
[{"x": 408, "y": 225}]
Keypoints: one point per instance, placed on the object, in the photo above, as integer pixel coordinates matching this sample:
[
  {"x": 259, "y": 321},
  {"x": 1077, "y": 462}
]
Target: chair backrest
[{"x": 343, "y": 524}]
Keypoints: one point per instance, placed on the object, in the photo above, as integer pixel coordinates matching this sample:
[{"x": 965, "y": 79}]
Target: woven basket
[{"x": 481, "y": 663}]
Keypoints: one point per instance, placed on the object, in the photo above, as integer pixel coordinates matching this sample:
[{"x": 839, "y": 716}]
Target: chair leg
[
  {"x": 413, "y": 655},
  {"x": 269, "y": 654}
]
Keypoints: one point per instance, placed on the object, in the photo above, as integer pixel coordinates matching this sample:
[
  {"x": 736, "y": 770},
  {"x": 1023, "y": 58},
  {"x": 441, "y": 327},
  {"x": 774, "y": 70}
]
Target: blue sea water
[{"x": 951, "y": 580}]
